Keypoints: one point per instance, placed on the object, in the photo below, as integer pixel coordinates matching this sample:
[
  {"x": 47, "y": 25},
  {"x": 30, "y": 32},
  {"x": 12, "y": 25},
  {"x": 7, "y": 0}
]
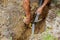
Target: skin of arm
[
  {"x": 26, "y": 6},
  {"x": 45, "y": 3},
  {"x": 40, "y": 9}
]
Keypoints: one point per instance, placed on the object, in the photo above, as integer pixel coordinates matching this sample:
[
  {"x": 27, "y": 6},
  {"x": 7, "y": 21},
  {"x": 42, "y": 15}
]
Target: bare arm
[
  {"x": 26, "y": 6},
  {"x": 40, "y": 9},
  {"x": 45, "y": 3}
]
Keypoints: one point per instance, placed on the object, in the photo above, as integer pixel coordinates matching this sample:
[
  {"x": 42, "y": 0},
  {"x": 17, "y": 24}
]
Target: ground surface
[
  {"x": 52, "y": 24},
  {"x": 12, "y": 26}
]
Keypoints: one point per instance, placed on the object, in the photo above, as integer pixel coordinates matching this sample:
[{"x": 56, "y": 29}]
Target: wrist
[
  {"x": 42, "y": 6},
  {"x": 28, "y": 15}
]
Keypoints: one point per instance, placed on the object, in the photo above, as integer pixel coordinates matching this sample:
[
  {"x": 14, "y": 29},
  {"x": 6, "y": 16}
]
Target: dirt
[{"x": 11, "y": 21}]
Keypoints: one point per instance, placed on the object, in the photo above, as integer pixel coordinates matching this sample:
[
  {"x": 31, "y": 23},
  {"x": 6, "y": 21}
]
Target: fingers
[
  {"x": 39, "y": 10},
  {"x": 26, "y": 20}
]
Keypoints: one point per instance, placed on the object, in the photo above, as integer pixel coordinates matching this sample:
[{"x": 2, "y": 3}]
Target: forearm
[
  {"x": 26, "y": 6},
  {"x": 45, "y": 3}
]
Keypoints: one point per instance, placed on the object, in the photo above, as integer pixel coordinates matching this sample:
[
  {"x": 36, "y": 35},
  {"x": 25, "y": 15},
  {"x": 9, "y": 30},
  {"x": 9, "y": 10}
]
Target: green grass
[
  {"x": 58, "y": 12},
  {"x": 48, "y": 36}
]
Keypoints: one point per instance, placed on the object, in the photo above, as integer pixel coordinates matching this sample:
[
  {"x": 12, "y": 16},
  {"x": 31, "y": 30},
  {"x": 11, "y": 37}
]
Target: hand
[
  {"x": 27, "y": 20},
  {"x": 39, "y": 10}
]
